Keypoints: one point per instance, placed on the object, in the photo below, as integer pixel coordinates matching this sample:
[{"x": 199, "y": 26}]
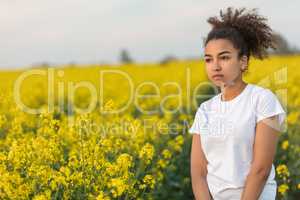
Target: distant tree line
[{"x": 282, "y": 48}]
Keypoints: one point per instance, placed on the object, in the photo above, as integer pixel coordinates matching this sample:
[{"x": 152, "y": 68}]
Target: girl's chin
[{"x": 218, "y": 83}]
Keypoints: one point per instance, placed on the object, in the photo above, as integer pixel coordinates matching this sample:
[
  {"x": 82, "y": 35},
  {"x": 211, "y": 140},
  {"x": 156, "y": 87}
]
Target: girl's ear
[{"x": 244, "y": 62}]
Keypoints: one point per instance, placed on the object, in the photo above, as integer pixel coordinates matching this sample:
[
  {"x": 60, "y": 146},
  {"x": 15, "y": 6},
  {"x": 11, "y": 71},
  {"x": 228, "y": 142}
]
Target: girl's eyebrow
[{"x": 221, "y": 53}]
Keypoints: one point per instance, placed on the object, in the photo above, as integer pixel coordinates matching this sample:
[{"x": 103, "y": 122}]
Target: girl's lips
[{"x": 217, "y": 76}]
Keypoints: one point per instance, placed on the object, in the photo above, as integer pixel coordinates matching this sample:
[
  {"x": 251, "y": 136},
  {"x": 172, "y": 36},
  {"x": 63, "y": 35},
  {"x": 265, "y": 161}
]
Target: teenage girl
[{"x": 235, "y": 133}]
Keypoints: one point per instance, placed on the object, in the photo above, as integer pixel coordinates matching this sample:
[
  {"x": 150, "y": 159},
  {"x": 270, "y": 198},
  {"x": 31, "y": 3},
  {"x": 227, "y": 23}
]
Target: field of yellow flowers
[{"x": 120, "y": 132}]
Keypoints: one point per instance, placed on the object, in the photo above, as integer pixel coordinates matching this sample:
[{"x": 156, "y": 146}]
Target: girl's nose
[{"x": 216, "y": 66}]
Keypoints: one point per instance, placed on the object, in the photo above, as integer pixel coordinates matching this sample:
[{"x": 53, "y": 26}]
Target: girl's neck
[{"x": 230, "y": 91}]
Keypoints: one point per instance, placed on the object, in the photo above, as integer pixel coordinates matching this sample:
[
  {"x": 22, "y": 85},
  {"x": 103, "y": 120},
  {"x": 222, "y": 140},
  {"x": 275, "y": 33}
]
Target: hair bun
[{"x": 252, "y": 27}]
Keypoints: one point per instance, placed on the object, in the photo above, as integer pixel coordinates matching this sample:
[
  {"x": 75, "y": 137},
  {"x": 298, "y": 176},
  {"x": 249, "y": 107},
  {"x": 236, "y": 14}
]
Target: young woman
[{"x": 236, "y": 131}]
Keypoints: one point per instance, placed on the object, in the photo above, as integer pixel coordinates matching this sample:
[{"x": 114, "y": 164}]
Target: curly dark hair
[{"x": 247, "y": 31}]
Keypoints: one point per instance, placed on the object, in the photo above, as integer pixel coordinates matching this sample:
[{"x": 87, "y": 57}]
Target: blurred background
[{"x": 96, "y": 96}]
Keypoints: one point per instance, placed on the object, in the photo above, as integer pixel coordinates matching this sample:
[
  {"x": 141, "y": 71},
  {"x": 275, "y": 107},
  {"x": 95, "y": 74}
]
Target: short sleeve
[
  {"x": 199, "y": 125},
  {"x": 268, "y": 105}
]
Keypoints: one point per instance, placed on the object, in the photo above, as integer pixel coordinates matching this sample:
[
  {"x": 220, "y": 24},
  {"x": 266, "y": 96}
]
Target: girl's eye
[
  {"x": 207, "y": 60},
  {"x": 225, "y": 57}
]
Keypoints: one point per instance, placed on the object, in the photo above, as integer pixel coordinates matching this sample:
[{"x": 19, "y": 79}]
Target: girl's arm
[
  {"x": 199, "y": 170},
  {"x": 264, "y": 151}
]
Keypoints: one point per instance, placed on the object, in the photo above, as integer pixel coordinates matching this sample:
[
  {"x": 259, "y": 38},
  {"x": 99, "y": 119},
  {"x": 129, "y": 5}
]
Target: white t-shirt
[{"x": 227, "y": 131}]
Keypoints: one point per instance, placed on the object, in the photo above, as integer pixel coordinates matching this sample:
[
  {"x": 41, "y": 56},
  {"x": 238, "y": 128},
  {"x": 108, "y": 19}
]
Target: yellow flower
[
  {"x": 162, "y": 163},
  {"x": 111, "y": 169},
  {"x": 293, "y": 117},
  {"x": 102, "y": 196},
  {"x": 2, "y": 120},
  {"x": 109, "y": 105},
  {"x": 149, "y": 180},
  {"x": 177, "y": 143},
  {"x": 285, "y": 145},
  {"x": 124, "y": 161},
  {"x": 147, "y": 153},
  {"x": 282, "y": 170},
  {"x": 283, "y": 188},
  {"x": 66, "y": 171},
  {"x": 166, "y": 154},
  {"x": 64, "y": 150},
  {"x": 40, "y": 197},
  {"x": 54, "y": 123},
  {"x": 159, "y": 175},
  {"x": 179, "y": 140},
  {"x": 118, "y": 186}
]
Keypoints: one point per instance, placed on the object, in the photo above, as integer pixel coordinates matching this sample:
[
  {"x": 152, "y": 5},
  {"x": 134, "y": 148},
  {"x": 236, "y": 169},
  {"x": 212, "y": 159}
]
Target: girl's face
[{"x": 222, "y": 63}]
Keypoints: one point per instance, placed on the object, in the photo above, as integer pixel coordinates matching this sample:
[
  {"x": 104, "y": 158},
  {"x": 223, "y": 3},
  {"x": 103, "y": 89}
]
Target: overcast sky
[{"x": 94, "y": 31}]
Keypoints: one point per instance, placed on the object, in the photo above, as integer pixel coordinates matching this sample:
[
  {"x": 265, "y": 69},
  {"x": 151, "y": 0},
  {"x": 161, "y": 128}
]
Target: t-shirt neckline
[{"x": 235, "y": 98}]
